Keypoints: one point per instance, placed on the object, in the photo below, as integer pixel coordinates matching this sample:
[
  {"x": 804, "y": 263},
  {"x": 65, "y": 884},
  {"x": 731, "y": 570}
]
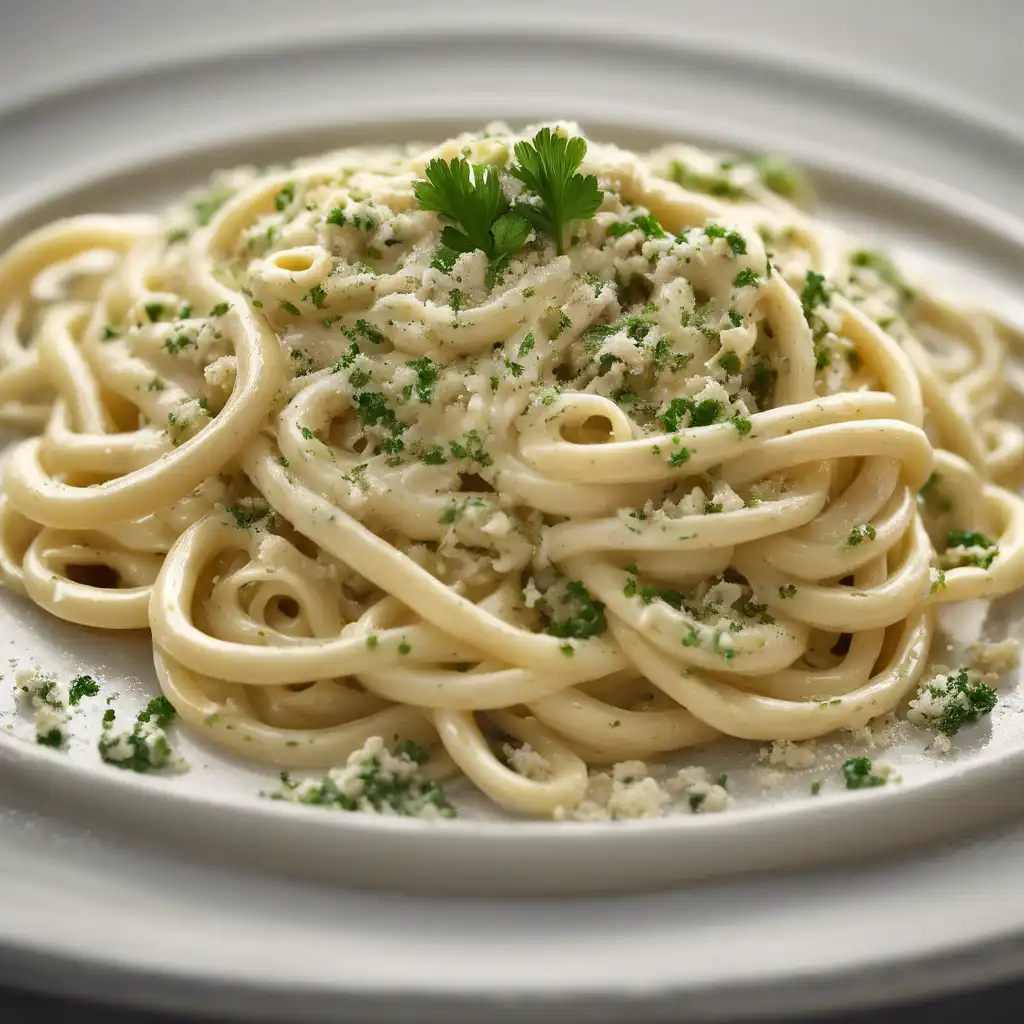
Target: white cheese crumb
[
  {"x": 636, "y": 790},
  {"x": 998, "y": 657},
  {"x": 221, "y": 373},
  {"x": 49, "y": 700},
  {"x": 702, "y": 795},
  {"x": 768, "y": 778},
  {"x": 790, "y": 754},
  {"x": 528, "y": 762},
  {"x": 724, "y": 495},
  {"x": 531, "y": 595},
  {"x": 878, "y": 733}
]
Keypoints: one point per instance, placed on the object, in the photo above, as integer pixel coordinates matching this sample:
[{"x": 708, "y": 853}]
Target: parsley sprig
[
  {"x": 547, "y": 166},
  {"x": 470, "y": 196}
]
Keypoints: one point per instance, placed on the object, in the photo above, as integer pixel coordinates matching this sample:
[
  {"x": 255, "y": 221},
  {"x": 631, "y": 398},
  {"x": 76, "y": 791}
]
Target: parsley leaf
[
  {"x": 470, "y": 196},
  {"x": 547, "y": 166}
]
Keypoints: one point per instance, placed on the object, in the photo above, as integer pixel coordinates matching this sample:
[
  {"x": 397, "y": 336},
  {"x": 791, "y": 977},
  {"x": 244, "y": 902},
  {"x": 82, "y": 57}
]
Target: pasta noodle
[{"x": 707, "y": 471}]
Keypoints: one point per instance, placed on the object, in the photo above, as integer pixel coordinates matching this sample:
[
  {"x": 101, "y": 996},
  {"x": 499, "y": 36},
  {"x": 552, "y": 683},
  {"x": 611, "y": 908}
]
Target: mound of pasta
[{"x": 526, "y": 453}]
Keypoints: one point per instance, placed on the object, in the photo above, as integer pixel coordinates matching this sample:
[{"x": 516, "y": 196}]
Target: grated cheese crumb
[
  {"x": 528, "y": 762},
  {"x": 790, "y": 754},
  {"x": 997, "y": 658}
]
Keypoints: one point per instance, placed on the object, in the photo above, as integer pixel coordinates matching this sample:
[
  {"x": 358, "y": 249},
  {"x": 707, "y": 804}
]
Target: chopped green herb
[
  {"x": 205, "y": 207},
  {"x": 815, "y": 292},
  {"x": 857, "y": 771},
  {"x": 82, "y": 686},
  {"x": 702, "y": 414},
  {"x": 962, "y": 539},
  {"x": 247, "y": 517},
  {"x": 883, "y": 266},
  {"x": 736, "y": 242},
  {"x": 426, "y": 377},
  {"x": 285, "y": 197},
  {"x": 729, "y": 361},
  {"x": 962, "y": 701},
  {"x": 859, "y": 534},
  {"x": 588, "y": 620},
  {"x": 472, "y": 448},
  {"x": 781, "y": 176},
  {"x": 145, "y": 747},
  {"x": 364, "y": 331},
  {"x": 698, "y": 181}
]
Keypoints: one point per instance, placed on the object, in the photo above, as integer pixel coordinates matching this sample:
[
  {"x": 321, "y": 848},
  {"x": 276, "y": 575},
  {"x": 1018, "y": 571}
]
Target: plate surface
[{"x": 220, "y": 937}]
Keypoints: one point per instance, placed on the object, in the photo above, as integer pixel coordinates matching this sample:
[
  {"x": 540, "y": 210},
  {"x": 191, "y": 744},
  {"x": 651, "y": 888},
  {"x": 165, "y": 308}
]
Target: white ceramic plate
[{"x": 146, "y": 890}]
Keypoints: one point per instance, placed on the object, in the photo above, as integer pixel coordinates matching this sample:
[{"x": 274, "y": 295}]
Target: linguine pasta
[{"x": 699, "y": 467}]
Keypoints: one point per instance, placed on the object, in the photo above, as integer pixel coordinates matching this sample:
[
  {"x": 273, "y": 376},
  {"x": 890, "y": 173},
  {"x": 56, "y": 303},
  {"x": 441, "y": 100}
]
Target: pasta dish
[{"x": 515, "y": 457}]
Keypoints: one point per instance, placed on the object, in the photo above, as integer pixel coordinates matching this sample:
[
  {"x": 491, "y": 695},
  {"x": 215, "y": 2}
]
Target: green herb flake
[
  {"x": 285, "y": 197},
  {"x": 82, "y": 686},
  {"x": 588, "y": 619},
  {"x": 859, "y": 534},
  {"x": 815, "y": 292},
  {"x": 857, "y": 771}
]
